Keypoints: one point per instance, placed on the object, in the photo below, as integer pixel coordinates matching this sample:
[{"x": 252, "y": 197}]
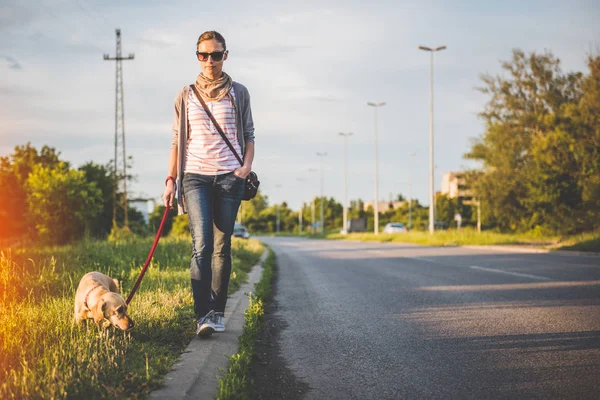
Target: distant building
[
  {"x": 384, "y": 205},
  {"x": 454, "y": 185},
  {"x": 144, "y": 206}
]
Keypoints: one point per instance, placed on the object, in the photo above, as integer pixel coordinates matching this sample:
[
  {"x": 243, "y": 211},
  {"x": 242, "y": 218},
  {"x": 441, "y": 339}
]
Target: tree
[
  {"x": 530, "y": 148},
  {"x": 61, "y": 202},
  {"x": 251, "y": 212},
  {"x": 446, "y": 208},
  {"x": 14, "y": 172},
  {"x": 101, "y": 224},
  {"x": 155, "y": 218},
  {"x": 588, "y": 146}
]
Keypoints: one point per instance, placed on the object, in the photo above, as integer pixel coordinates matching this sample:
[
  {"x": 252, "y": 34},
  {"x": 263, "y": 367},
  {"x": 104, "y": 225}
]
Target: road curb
[{"x": 196, "y": 374}]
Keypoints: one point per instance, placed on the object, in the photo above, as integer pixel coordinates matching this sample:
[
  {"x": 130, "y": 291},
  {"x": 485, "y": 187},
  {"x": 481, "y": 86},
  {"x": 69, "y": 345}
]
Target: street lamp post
[
  {"x": 431, "y": 193},
  {"x": 435, "y": 167},
  {"x": 346, "y": 136},
  {"x": 411, "y": 155},
  {"x": 300, "y": 219},
  {"x": 376, "y": 203},
  {"x": 312, "y": 208},
  {"x": 278, "y": 212},
  {"x": 322, "y": 155}
]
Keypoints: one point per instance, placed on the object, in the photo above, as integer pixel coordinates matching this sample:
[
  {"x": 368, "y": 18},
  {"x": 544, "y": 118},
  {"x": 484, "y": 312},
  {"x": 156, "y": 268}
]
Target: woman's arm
[
  {"x": 169, "y": 193},
  {"x": 244, "y": 170}
]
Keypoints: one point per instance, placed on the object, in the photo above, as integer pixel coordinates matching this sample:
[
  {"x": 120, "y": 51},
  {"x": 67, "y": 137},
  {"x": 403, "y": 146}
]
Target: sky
[{"x": 310, "y": 67}]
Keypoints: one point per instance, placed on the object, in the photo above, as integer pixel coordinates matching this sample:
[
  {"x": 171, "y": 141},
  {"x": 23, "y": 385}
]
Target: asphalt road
[{"x": 397, "y": 321}]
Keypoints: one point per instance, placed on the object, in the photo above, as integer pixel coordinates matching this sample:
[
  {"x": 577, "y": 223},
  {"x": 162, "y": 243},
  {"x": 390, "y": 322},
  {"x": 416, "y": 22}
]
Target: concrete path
[{"x": 196, "y": 374}]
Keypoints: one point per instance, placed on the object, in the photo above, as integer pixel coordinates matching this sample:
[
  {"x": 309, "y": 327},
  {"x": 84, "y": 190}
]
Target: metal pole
[
  {"x": 411, "y": 155},
  {"x": 278, "y": 211},
  {"x": 434, "y": 196},
  {"x": 322, "y": 184},
  {"x": 312, "y": 213},
  {"x": 376, "y": 202},
  {"x": 346, "y": 136},
  {"x": 479, "y": 215},
  {"x": 376, "y": 205},
  {"x": 322, "y": 155},
  {"x": 431, "y": 192},
  {"x": 300, "y": 219},
  {"x": 312, "y": 207}
]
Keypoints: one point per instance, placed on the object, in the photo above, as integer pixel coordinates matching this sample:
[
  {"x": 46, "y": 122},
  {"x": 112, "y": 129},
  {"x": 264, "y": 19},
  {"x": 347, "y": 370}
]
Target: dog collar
[{"x": 87, "y": 294}]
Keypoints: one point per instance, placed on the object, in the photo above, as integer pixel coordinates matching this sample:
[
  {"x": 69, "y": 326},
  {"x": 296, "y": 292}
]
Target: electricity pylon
[{"x": 119, "y": 136}]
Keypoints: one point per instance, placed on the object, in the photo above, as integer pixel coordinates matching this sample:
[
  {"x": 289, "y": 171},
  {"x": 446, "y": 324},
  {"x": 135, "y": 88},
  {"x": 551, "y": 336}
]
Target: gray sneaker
[
  {"x": 217, "y": 320},
  {"x": 205, "y": 325}
]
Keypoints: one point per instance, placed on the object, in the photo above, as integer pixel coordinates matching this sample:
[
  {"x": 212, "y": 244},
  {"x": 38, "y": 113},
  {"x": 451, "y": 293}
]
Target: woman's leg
[
  {"x": 198, "y": 192},
  {"x": 227, "y": 196}
]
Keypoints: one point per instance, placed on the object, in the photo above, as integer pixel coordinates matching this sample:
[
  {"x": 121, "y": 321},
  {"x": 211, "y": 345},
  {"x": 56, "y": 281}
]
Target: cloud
[
  {"x": 13, "y": 63},
  {"x": 275, "y": 50}
]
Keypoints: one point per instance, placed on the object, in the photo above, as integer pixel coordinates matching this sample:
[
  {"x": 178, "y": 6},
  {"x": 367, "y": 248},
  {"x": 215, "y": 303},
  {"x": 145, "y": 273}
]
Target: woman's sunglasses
[{"x": 216, "y": 56}]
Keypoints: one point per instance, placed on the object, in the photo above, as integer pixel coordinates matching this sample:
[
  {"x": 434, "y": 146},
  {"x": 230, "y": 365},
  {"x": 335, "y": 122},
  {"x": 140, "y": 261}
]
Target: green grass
[
  {"x": 469, "y": 236},
  {"x": 452, "y": 238},
  {"x": 235, "y": 383},
  {"x": 584, "y": 242},
  {"x": 43, "y": 354}
]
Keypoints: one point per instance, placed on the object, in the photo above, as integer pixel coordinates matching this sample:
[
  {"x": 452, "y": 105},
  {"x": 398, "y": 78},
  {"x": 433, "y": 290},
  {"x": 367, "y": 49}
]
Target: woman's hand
[
  {"x": 242, "y": 172},
  {"x": 169, "y": 194}
]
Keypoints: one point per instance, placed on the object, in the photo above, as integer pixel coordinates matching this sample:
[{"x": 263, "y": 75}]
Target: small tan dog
[{"x": 98, "y": 297}]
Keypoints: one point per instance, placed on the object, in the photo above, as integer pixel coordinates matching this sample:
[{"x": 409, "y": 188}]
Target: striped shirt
[{"x": 207, "y": 153}]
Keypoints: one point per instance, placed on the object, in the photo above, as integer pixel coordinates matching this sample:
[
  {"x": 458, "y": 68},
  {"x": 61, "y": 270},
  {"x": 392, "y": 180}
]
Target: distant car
[
  {"x": 394, "y": 227},
  {"x": 240, "y": 231}
]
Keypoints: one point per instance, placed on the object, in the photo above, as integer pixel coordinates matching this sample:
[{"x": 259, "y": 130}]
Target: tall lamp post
[
  {"x": 376, "y": 203},
  {"x": 435, "y": 167},
  {"x": 278, "y": 211},
  {"x": 300, "y": 217},
  {"x": 411, "y": 155},
  {"x": 431, "y": 193},
  {"x": 312, "y": 207},
  {"x": 345, "y": 136},
  {"x": 322, "y": 155}
]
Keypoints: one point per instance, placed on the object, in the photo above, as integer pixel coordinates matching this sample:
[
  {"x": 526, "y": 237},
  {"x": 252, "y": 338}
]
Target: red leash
[{"x": 139, "y": 280}]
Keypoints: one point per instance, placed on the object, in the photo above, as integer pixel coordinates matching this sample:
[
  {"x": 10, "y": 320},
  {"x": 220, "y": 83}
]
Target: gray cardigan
[{"x": 243, "y": 123}]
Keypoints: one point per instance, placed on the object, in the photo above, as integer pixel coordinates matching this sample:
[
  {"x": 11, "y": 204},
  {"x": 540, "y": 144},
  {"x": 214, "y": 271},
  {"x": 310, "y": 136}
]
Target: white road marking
[{"x": 499, "y": 271}]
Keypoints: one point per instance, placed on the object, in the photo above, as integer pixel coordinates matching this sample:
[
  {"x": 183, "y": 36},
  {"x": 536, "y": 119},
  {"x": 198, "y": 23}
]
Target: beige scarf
[{"x": 214, "y": 90}]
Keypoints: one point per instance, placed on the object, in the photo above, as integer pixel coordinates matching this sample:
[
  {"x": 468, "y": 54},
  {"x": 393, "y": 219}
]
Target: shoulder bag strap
[{"x": 216, "y": 124}]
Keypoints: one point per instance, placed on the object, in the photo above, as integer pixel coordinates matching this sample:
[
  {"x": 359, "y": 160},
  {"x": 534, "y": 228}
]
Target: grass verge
[
  {"x": 235, "y": 383},
  {"x": 43, "y": 354},
  {"x": 467, "y": 236}
]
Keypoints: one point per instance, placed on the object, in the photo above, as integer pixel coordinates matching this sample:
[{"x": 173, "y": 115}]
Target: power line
[
  {"x": 104, "y": 21},
  {"x": 67, "y": 26}
]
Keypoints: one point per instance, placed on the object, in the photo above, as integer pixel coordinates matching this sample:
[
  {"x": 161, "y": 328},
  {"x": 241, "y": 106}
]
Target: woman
[{"x": 209, "y": 177}]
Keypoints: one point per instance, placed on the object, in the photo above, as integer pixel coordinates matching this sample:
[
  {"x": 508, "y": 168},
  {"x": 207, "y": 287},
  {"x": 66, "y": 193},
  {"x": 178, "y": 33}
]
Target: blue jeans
[{"x": 212, "y": 204}]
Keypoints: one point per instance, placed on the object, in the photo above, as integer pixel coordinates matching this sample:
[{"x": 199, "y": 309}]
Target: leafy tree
[
  {"x": 181, "y": 225},
  {"x": 250, "y": 212},
  {"x": 588, "y": 144},
  {"x": 61, "y": 202},
  {"x": 534, "y": 145},
  {"x": 446, "y": 208},
  {"x": 155, "y": 218},
  {"x": 101, "y": 225},
  {"x": 14, "y": 172}
]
